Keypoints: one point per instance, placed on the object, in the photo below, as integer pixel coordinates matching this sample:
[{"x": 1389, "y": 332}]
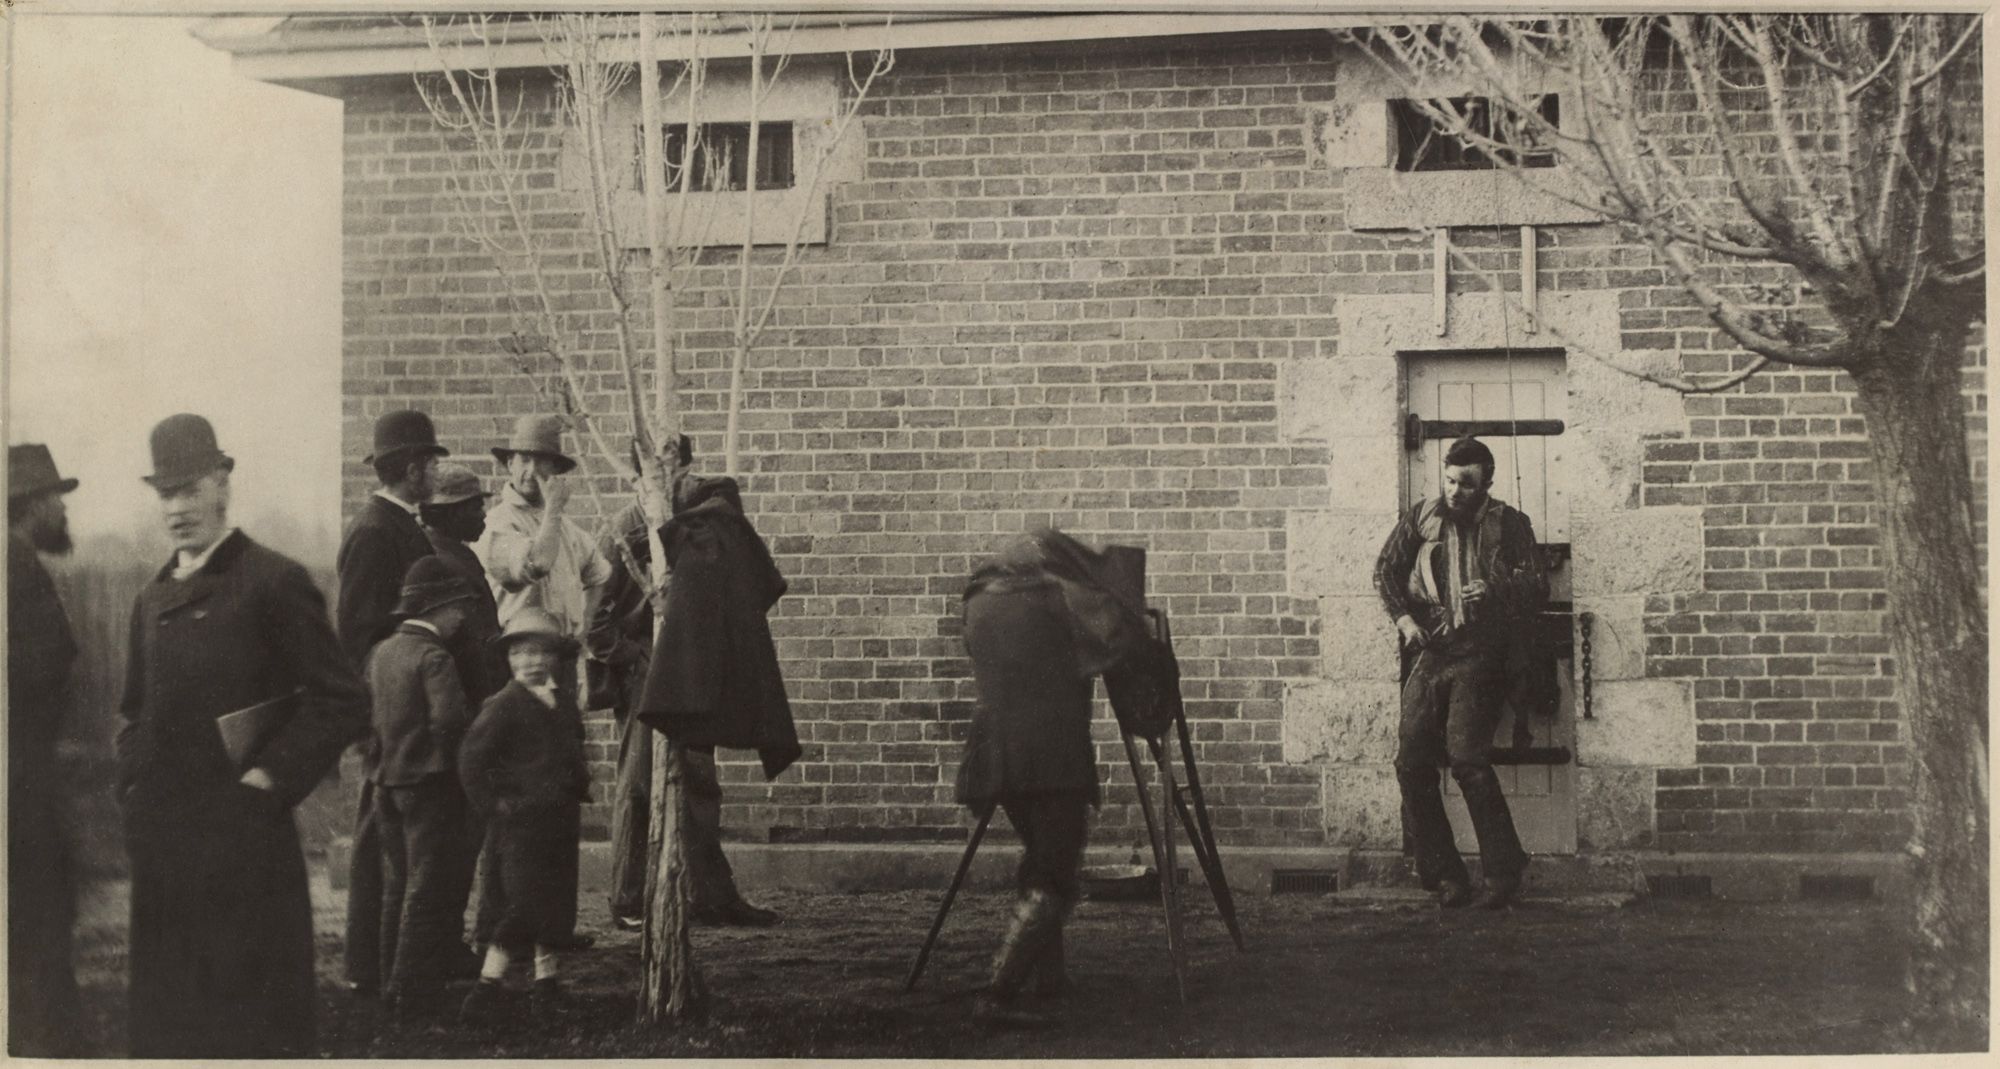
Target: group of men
[
  {"x": 228, "y": 631},
  {"x": 241, "y": 693}
]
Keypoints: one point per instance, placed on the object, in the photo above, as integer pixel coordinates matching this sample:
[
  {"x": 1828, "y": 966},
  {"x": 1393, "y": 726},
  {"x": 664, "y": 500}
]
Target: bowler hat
[
  {"x": 531, "y": 622},
  {"x": 537, "y": 436},
  {"x": 31, "y": 470},
  {"x": 431, "y": 582},
  {"x": 455, "y": 483},
  {"x": 184, "y": 450},
  {"x": 401, "y": 431}
]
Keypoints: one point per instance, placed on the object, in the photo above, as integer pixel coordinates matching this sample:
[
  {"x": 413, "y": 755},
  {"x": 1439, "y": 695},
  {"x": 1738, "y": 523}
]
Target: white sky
[{"x": 176, "y": 247}]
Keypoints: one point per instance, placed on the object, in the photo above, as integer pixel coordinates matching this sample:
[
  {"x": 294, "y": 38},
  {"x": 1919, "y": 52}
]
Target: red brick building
[{"x": 1159, "y": 281}]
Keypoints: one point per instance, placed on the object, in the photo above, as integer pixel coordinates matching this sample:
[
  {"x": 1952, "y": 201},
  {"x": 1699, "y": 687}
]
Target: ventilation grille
[
  {"x": 1304, "y": 882},
  {"x": 1836, "y": 888},
  {"x": 1680, "y": 886}
]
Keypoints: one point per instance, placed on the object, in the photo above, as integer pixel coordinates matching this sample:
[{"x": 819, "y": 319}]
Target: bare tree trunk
[
  {"x": 670, "y": 988},
  {"x": 1937, "y": 625}
]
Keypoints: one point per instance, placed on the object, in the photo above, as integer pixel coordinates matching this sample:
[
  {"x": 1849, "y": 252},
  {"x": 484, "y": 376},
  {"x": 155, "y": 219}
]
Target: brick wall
[{"x": 1062, "y": 294}]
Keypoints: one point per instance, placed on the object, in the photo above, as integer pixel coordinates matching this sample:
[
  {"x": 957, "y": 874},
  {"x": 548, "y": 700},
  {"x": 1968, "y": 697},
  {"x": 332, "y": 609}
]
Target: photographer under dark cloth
[
  {"x": 1461, "y": 576},
  {"x": 1041, "y": 621}
]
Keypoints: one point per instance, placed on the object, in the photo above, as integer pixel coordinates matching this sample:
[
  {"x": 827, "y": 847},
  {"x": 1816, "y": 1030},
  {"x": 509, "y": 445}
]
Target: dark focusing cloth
[{"x": 1041, "y": 619}]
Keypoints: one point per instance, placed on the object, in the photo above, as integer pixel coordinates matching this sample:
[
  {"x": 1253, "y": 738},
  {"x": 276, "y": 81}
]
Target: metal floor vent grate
[
  {"x": 1824, "y": 888},
  {"x": 1680, "y": 886},
  {"x": 1304, "y": 882}
]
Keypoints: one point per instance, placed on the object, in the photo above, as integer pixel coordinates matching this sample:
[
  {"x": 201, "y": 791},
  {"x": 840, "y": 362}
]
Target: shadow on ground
[{"x": 1320, "y": 977}]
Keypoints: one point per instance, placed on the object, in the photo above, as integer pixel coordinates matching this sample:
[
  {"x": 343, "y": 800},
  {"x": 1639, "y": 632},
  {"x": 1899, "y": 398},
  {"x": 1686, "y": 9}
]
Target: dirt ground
[{"x": 1322, "y": 976}]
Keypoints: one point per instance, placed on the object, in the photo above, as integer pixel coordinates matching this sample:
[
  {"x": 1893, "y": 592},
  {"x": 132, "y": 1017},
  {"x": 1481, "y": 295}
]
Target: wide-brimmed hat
[
  {"x": 537, "y": 436},
  {"x": 32, "y": 470},
  {"x": 431, "y": 582},
  {"x": 531, "y": 622},
  {"x": 403, "y": 431},
  {"x": 184, "y": 449},
  {"x": 455, "y": 483}
]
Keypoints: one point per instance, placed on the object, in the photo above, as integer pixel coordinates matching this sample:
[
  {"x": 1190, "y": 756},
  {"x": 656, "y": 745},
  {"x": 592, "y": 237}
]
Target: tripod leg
[
  {"x": 957, "y": 880},
  {"x": 1171, "y": 871},
  {"x": 1218, "y": 883},
  {"x": 1211, "y": 870},
  {"x": 1161, "y": 836}
]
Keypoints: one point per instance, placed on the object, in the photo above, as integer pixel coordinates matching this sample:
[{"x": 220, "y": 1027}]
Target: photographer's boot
[{"x": 1037, "y": 916}]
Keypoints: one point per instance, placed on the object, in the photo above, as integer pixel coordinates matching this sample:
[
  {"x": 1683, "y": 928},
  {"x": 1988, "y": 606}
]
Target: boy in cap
[
  {"x": 420, "y": 714},
  {"x": 523, "y": 769}
]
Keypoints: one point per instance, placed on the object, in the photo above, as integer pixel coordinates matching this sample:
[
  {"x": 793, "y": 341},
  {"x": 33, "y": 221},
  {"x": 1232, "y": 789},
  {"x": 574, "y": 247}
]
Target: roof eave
[{"x": 264, "y": 55}]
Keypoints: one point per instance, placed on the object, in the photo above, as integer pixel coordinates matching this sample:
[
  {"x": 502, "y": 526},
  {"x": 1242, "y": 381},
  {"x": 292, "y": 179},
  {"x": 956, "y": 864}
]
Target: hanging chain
[{"x": 1583, "y": 623}]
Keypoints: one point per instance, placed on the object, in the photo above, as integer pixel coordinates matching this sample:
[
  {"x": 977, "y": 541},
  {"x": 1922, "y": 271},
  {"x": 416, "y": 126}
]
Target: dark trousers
[
  {"x": 1451, "y": 705},
  {"x": 713, "y": 882},
  {"x": 535, "y": 858},
  {"x": 364, "y": 895},
  {"x": 426, "y": 875},
  {"x": 1053, "y": 829},
  {"x": 44, "y": 1019}
]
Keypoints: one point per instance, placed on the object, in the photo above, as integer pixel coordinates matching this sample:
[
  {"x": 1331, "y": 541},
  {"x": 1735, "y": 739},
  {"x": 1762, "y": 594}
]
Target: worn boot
[{"x": 1037, "y": 917}]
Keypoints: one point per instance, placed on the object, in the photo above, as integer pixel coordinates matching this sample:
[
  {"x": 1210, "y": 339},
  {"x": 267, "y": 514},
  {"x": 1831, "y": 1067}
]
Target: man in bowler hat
[
  {"x": 238, "y": 700},
  {"x": 42, "y": 1012},
  {"x": 377, "y": 551}
]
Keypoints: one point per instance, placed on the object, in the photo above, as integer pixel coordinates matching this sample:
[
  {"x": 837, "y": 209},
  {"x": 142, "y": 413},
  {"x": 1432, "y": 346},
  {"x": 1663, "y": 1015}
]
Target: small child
[
  {"x": 420, "y": 713},
  {"x": 523, "y": 769}
]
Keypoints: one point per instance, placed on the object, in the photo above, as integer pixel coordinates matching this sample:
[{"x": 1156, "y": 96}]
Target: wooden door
[{"x": 1513, "y": 387}]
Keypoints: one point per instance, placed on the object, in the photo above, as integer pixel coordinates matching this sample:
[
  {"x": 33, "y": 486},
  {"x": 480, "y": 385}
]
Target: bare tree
[
  {"x": 1815, "y": 155},
  {"x": 499, "y": 209}
]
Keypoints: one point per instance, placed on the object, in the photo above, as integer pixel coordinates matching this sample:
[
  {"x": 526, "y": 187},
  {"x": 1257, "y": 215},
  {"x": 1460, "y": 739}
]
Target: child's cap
[{"x": 531, "y": 622}]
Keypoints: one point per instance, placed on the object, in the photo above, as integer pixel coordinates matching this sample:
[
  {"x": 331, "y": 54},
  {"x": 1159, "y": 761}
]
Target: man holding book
[{"x": 238, "y": 699}]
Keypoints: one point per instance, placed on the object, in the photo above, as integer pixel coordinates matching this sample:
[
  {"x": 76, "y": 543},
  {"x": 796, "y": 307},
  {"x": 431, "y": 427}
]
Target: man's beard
[{"x": 53, "y": 538}]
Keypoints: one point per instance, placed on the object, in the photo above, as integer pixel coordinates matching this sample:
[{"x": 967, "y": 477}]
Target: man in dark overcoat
[
  {"x": 42, "y": 1011},
  {"x": 238, "y": 699},
  {"x": 377, "y": 551},
  {"x": 1043, "y": 618}
]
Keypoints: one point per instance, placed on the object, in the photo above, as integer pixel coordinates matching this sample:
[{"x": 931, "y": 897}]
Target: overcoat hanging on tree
[
  {"x": 1041, "y": 619},
  {"x": 714, "y": 677},
  {"x": 222, "y": 937}
]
